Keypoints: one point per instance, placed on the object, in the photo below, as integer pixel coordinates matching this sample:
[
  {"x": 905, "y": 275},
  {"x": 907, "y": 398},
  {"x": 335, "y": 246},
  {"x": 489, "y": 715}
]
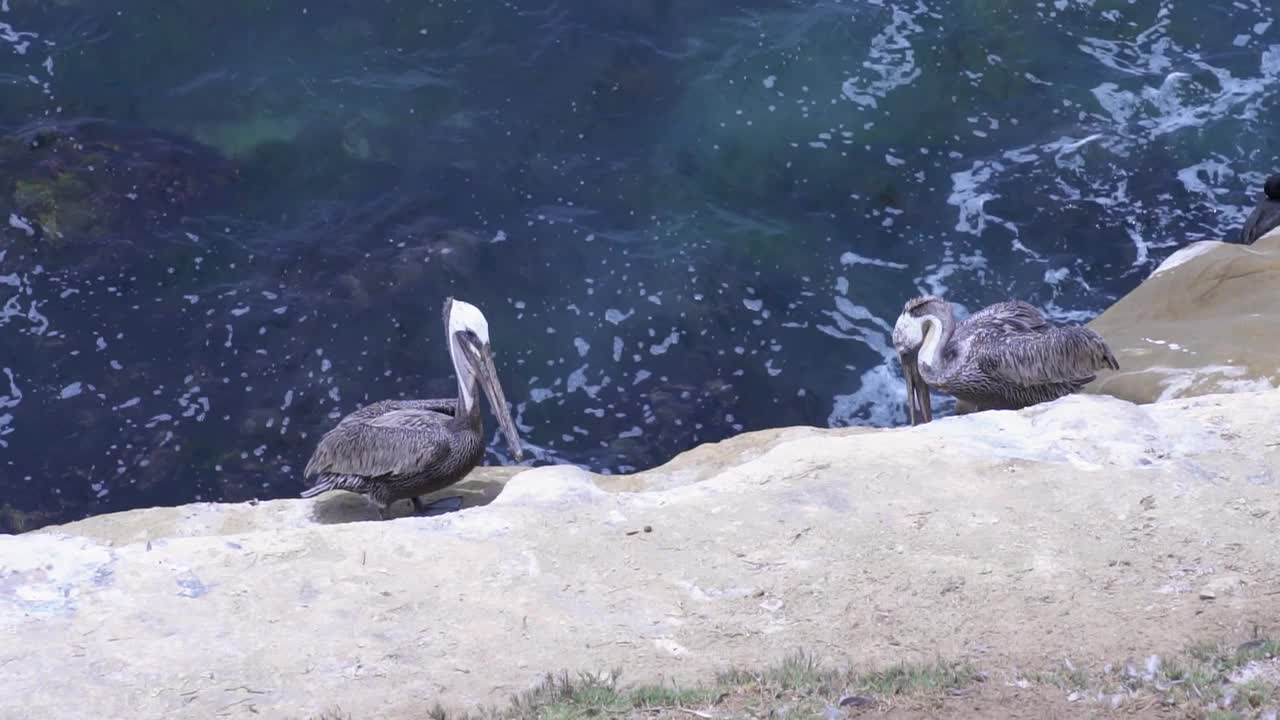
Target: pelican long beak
[
  {"x": 487, "y": 374},
  {"x": 918, "y": 398}
]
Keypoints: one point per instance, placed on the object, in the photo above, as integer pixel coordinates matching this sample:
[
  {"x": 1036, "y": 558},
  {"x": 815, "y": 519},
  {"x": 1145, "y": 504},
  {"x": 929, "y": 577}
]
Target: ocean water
[{"x": 230, "y": 223}]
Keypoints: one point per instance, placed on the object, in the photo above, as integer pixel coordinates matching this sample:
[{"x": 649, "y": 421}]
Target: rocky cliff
[
  {"x": 1204, "y": 322},
  {"x": 1089, "y": 528}
]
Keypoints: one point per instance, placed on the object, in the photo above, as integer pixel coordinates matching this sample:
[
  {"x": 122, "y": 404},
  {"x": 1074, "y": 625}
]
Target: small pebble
[
  {"x": 1207, "y": 595},
  {"x": 648, "y": 528}
]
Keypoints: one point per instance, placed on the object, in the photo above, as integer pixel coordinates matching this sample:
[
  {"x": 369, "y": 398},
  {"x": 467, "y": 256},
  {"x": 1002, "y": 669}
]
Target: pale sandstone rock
[
  {"x": 1083, "y": 529},
  {"x": 1204, "y": 322}
]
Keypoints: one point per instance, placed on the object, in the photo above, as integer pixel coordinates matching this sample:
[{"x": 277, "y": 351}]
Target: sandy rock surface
[
  {"x": 1203, "y": 323},
  {"x": 1087, "y": 528}
]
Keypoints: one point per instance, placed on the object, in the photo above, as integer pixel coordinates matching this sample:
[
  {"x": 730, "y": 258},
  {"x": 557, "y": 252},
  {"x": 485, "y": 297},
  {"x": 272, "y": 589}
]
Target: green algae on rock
[{"x": 76, "y": 182}]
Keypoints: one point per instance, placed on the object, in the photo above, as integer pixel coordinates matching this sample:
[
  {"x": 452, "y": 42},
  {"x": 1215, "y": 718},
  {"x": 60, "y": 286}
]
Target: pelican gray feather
[
  {"x": 1005, "y": 356},
  {"x": 395, "y": 449}
]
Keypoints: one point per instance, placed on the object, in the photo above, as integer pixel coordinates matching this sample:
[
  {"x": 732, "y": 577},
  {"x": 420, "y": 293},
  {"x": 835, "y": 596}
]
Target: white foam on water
[
  {"x": 617, "y": 316},
  {"x": 577, "y": 380},
  {"x": 20, "y": 223},
  {"x": 932, "y": 282},
  {"x": 880, "y": 400},
  {"x": 1053, "y": 312},
  {"x": 891, "y": 60},
  {"x": 1056, "y": 275},
  {"x": 968, "y": 195},
  {"x": 1083, "y": 163},
  {"x": 1211, "y": 179},
  {"x": 856, "y": 322},
  {"x": 851, "y": 258},
  {"x": 1154, "y": 98},
  {"x": 11, "y": 399},
  {"x": 1175, "y": 100},
  {"x": 665, "y": 345},
  {"x": 23, "y": 304}
]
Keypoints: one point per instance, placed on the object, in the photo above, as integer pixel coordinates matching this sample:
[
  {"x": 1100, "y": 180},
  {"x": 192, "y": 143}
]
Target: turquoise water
[{"x": 229, "y": 223}]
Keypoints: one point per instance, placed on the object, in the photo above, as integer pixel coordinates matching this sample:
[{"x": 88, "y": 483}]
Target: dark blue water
[{"x": 230, "y": 223}]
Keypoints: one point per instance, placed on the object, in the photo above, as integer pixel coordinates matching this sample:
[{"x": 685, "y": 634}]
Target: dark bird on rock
[
  {"x": 396, "y": 449},
  {"x": 1003, "y": 357},
  {"x": 1266, "y": 216}
]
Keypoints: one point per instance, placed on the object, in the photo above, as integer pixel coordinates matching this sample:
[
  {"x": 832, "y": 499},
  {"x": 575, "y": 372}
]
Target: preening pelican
[
  {"x": 395, "y": 449},
  {"x": 1002, "y": 357}
]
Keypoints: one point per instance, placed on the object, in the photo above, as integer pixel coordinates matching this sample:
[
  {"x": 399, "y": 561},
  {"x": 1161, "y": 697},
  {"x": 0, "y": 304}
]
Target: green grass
[
  {"x": 1201, "y": 682},
  {"x": 1068, "y": 680},
  {"x": 802, "y": 672},
  {"x": 1204, "y": 677},
  {"x": 910, "y": 679},
  {"x": 800, "y": 681},
  {"x": 564, "y": 698}
]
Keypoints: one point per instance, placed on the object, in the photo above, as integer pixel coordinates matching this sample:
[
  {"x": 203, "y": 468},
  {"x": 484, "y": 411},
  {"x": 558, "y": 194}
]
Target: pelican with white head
[
  {"x": 472, "y": 356},
  {"x": 395, "y": 449}
]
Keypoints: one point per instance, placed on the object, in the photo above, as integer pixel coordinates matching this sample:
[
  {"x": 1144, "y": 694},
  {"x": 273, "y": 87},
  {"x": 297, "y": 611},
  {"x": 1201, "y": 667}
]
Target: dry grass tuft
[{"x": 1214, "y": 681}]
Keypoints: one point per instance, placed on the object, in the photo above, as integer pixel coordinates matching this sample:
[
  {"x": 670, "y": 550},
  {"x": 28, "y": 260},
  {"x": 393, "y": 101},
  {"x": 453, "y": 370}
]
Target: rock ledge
[{"x": 1089, "y": 527}]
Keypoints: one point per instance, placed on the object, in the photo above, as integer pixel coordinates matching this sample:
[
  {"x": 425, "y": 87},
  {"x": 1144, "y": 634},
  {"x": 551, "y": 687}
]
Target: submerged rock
[
  {"x": 69, "y": 184},
  {"x": 1086, "y": 525}
]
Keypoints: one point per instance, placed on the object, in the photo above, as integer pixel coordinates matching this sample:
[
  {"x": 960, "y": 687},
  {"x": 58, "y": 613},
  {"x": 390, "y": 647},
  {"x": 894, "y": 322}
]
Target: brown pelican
[
  {"x": 1266, "y": 216},
  {"x": 1004, "y": 356},
  {"x": 395, "y": 449}
]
